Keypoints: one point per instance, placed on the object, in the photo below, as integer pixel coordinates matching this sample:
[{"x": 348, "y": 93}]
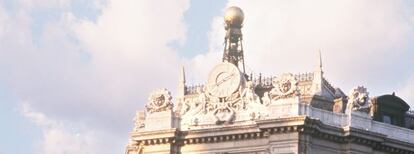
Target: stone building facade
[{"x": 288, "y": 113}]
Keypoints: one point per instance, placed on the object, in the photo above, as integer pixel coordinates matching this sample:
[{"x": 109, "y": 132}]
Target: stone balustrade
[{"x": 358, "y": 121}]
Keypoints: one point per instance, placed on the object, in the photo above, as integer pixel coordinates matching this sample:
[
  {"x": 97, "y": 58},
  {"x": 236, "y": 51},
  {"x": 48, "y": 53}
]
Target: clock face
[{"x": 224, "y": 80}]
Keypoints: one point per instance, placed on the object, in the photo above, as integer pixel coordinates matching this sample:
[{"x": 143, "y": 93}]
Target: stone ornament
[
  {"x": 266, "y": 99},
  {"x": 223, "y": 113},
  {"x": 204, "y": 106},
  {"x": 195, "y": 107},
  {"x": 358, "y": 100},
  {"x": 248, "y": 94},
  {"x": 284, "y": 86},
  {"x": 251, "y": 99},
  {"x": 159, "y": 100}
]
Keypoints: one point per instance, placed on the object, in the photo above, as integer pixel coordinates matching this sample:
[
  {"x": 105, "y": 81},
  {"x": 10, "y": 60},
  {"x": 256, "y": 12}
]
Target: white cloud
[
  {"x": 199, "y": 66},
  {"x": 36, "y": 4},
  {"x": 59, "y": 137},
  {"x": 91, "y": 75},
  {"x": 128, "y": 46},
  {"x": 102, "y": 69}
]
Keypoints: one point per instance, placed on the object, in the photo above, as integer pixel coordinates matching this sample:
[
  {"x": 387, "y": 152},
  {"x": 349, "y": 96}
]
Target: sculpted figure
[
  {"x": 252, "y": 101},
  {"x": 358, "y": 100},
  {"x": 202, "y": 99},
  {"x": 223, "y": 113},
  {"x": 248, "y": 95},
  {"x": 266, "y": 99},
  {"x": 183, "y": 106},
  {"x": 199, "y": 105}
]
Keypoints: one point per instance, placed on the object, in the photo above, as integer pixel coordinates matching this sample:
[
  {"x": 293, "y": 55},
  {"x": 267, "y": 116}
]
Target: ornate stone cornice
[
  {"x": 265, "y": 128},
  {"x": 155, "y": 137},
  {"x": 316, "y": 128}
]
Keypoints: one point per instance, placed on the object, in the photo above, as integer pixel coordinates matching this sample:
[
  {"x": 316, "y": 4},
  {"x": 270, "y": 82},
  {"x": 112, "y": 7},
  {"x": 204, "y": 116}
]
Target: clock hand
[
  {"x": 227, "y": 78},
  {"x": 224, "y": 79}
]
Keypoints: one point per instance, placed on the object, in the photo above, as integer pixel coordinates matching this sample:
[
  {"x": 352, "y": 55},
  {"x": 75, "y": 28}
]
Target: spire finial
[
  {"x": 319, "y": 67},
  {"x": 181, "y": 83},
  {"x": 320, "y": 59},
  {"x": 182, "y": 75},
  {"x": 318, "y": 77}
]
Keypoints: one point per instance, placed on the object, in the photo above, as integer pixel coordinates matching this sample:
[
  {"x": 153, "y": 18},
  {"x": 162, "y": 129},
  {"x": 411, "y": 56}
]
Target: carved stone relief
[
  {"x": 358, "y": 100},
  {"x": 284, "y": 86},
  {"x": 256, "y": 108},
  {"x": 159, "y": 100},
  {"x": 205, "y": 106}
]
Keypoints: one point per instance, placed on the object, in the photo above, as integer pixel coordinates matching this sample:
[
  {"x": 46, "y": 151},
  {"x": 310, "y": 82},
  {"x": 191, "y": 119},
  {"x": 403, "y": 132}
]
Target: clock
[{"x": 224, "y": 80}]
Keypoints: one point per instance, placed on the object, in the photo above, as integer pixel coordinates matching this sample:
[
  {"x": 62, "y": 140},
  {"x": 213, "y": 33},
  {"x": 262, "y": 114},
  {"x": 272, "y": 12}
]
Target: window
[{"x": 387, "y": 119}]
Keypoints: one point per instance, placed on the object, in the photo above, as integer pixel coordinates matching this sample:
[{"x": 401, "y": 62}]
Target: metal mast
[{"x": 233, "y": 46}]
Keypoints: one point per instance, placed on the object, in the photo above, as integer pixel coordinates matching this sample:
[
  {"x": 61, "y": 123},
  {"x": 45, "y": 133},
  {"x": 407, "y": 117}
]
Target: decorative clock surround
[{"x": 228, "y": 98}]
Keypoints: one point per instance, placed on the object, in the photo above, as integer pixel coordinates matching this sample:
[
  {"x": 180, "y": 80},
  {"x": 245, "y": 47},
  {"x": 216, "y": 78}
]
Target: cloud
[
  {"x": 128, "y": 46},
  {"x": 407, "y": 91},
  {"x": 92, "y": 75},
  {"x": 198, "y": 67},
  {"x": 59, "y": 137},
  {"x": 98, "y": 69},
  {"x": 361, "y": 42}
]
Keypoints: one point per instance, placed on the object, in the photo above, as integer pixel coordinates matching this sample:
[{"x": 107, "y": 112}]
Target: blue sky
[{"x": 73, "y": 72}]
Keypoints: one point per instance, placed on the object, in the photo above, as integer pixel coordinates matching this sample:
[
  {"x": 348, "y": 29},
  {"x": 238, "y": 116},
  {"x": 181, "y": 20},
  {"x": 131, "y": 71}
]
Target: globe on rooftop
[{"x": 234, "y": 16}]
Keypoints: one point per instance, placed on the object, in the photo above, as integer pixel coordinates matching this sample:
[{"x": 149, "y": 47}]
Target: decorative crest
[
  {"x": 159, "y": 100},
  {"x": 358, "y": 100},
  {"x": 284, "y": 86}
]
